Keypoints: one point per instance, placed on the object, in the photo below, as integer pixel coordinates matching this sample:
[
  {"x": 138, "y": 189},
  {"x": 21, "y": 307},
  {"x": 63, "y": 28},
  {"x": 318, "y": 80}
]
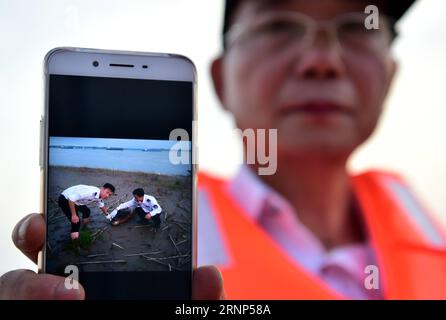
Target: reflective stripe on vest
[
  {"x": 414, "y": 211},
  {"x": 410, "y": 266},
  {"x": 401, "y": 234},
  {"x": 211, "y": 247}
]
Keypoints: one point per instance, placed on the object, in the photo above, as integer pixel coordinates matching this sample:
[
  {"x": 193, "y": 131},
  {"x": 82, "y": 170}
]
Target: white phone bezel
[{"x": 79, "y": 62}]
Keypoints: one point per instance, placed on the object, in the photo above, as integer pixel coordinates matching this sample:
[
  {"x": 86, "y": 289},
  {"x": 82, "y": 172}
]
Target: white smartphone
[{"x": 118, "y": 172}]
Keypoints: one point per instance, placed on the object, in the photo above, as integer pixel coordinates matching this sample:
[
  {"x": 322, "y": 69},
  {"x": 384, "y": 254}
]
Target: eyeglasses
[{"x": 282, "y": 29}]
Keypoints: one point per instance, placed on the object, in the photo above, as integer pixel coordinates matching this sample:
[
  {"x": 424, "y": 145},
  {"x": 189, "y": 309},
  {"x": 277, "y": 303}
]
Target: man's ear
[
  {"x": 217, "y": 78},
  {"x": 393, "y": 69},
  {"x": 394, "y": 66}
]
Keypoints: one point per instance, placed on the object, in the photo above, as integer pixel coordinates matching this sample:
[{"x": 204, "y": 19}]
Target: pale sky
[{"x": 409, "y": 139}]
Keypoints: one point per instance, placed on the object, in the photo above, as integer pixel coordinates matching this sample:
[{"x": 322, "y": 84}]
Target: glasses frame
[{"x": 240, "y": 32}]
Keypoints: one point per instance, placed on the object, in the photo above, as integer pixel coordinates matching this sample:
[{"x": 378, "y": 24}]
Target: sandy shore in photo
[{"x": 121, "y": 246}]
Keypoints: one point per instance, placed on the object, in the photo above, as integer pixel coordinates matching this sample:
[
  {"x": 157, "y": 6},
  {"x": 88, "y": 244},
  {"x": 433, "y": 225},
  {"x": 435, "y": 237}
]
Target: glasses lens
[
  {"x": 282, "y": 29},
  {"x": 280, "y": 25},
  {"x": 276, "y": 29},
  {"x": 353, "y": 34}
]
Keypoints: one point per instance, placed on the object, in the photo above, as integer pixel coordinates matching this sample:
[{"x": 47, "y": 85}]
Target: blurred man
[
  {"x": 77, "y": 198},
  {"x": 313, "y": 71},
  {"x": 311, "y": 230},
  {"x": 145, "y": 206}
]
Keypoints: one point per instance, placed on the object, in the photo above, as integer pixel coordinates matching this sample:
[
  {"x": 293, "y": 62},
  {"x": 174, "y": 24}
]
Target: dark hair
[
  {"x": 230, "y": 6},
  {"x": 138, "y": 192},
  {"x": 109, "y": 186}
]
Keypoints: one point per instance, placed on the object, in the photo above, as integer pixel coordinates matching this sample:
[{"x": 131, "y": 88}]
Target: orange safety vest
[{"x": 409, "y": 247}]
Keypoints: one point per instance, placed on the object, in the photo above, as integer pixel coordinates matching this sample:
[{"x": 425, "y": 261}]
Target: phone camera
[{"x": 95, "y": 63}]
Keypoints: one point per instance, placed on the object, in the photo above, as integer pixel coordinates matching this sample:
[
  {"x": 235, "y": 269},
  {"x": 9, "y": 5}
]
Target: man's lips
[{"x": 317, "y": 108}]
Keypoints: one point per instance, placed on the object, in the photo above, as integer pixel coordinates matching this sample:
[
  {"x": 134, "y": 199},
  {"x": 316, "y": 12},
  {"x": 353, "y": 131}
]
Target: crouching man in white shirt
[
  {"x": 145, "y": 206},
  {"x": 75, "y": 199}
]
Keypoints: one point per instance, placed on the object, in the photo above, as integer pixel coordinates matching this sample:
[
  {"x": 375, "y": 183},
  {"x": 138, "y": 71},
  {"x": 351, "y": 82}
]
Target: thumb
[
  {"x": 207, "y": 284},
  {"x": 27, "y": 285}
]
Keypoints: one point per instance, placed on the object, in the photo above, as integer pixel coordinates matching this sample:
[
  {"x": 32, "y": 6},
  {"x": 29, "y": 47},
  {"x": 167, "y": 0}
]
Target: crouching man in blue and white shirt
[{"x": 145, "y": 206}]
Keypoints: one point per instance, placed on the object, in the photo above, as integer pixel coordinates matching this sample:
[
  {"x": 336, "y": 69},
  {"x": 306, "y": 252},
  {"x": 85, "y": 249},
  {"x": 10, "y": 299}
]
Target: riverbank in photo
[{"x": 126, "y": 247}]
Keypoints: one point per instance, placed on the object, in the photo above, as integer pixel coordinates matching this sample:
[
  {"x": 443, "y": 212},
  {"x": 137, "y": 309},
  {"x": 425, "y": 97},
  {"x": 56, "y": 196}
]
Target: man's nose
[{"x": 321, "y": 60}]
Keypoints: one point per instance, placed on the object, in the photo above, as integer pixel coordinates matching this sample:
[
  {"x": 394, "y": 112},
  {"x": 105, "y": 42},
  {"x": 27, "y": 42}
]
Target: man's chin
[{"x": 329, "y": 148}]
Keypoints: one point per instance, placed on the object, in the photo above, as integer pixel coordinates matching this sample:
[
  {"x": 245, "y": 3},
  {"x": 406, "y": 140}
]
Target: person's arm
[
  {"x": 128, "y": 204},
  {"x": 104, "y": 210},
  {"x": 74, "y": 217},
  {"x": 29, "y": 237},
  {"x": 102, "y": 206},
  {"x": 125, "y": 205},
  {"x": 72, "y": 198},
  {"x": 156, "y": 209}
]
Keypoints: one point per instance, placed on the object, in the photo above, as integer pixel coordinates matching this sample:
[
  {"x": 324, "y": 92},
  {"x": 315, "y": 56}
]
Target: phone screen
[{"x": 120, "y": 186}]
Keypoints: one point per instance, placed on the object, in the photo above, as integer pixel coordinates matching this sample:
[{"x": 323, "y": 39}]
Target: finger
[
  {"x": 207, "y": 284},
  {"x": 29, "y": 235},
  {"x": 27, "y": 285}
]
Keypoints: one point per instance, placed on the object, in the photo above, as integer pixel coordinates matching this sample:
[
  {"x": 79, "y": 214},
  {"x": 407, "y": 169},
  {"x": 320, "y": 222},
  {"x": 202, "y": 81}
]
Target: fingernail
[{"x": 68, "y": 291}]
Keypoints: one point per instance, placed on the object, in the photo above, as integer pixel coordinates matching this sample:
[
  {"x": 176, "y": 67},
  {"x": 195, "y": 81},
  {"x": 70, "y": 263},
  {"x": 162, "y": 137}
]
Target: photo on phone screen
[
  {"x": 119, "y": 195},
  {"x": 134, "y": 182}
]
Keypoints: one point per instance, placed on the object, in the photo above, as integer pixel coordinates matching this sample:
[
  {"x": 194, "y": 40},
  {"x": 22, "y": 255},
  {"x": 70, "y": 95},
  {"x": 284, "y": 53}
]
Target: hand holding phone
[{"x": 29, "y": 237}]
